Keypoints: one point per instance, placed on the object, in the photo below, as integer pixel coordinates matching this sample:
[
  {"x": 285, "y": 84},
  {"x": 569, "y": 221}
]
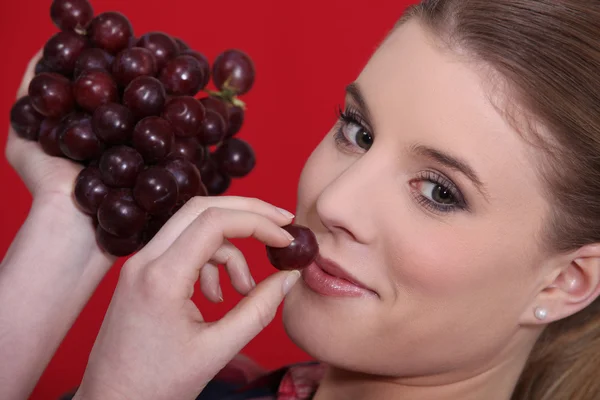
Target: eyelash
[
  {"x": 446, "y": 184},
  {"x": 351, "y": 116}
]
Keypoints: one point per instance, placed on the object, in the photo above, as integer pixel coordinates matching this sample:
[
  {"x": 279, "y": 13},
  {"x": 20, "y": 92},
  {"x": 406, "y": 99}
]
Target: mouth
[{"x": 328, "y": 278}]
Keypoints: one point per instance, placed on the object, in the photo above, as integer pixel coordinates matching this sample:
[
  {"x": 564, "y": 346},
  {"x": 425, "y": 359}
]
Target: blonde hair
[{"x": 548, "y": 52}]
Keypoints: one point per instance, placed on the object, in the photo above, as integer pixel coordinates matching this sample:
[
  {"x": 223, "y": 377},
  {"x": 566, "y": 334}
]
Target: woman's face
[{"x": 429, "y": 200}]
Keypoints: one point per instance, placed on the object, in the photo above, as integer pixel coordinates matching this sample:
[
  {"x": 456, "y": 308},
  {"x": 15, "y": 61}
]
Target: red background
[{"x": 305, "y": 52}]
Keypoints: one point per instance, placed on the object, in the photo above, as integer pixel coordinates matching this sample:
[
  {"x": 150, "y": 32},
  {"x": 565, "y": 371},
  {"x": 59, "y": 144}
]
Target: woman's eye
[
  {"x": 437, "y": 193},
  {"x": 357, "y": 135}
]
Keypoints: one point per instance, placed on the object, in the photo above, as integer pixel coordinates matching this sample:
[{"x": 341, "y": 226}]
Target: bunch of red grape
[{"x": 131, "y": 110}]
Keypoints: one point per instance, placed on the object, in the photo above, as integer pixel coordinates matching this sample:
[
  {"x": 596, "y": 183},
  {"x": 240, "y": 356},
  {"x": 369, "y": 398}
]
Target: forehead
[{"x": 419, "y": 91}]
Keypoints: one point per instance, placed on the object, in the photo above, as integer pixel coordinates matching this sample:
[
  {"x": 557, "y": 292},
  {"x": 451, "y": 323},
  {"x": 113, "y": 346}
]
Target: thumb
[
  {"x": 252, "y": 314},
  {"x": 29, "y": 74}
]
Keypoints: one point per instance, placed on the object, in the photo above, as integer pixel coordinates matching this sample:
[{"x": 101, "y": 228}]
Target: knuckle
[
  {"x": 195, "y": 205},
  {"x": 152, "y": 281},
  {"x": 225, "y": 255},
  {"x": 233, "y": 252},
  {"x": 210, "y": 216}
]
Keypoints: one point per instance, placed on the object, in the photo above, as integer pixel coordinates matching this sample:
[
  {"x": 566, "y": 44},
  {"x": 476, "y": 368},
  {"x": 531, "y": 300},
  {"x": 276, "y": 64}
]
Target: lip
[{"x": 328, "y": 278}]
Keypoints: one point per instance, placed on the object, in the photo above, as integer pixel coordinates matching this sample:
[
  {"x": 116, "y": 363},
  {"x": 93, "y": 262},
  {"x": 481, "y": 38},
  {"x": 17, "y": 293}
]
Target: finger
[
  {"x": 196, "y": 206},
  {"x": 209, "y": 282},
  {"x": 29, "y": 74},
  {"x": 235, "y": 265},
  {"x": 15, "y": 144},
  {"x": 252, "y": 314},
  {"x": 202, "y": 238}
]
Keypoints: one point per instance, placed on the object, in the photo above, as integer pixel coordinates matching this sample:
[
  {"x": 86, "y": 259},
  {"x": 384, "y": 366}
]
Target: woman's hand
[
  {"x": 51, "y": 269},
  {"x": 154, "y": 342},
  {"x": 43, "y": 175},
  {"x": 51, "y": 181}
]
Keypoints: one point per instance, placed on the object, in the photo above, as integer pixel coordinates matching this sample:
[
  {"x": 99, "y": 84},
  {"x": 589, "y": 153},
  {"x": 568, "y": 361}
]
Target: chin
[
  {"x": 325, "y": 328},
  {"x": 347, "y": 333}
]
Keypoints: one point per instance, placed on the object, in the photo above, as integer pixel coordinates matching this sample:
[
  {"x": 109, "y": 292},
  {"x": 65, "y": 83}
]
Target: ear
[{"x": 574, "y": 283}]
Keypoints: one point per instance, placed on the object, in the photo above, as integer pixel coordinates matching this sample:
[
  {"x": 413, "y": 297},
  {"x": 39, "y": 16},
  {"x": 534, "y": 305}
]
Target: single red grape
[
  {"x": 181, "y": 45},
  {"x": 78, "y": 140},
  {"x": 131, "y": 63},
  {"x": 110, "y": 31},
  {"x": 186, "y": 148},
  {"x": 50, "y": 131},
  {"x": 236, "y": 120},
  {"x": 71, "y": 14},
  {"x": 153, "y": 138},
  {"x": 62, "y": 51},
  {"x": 120, "y": 166},
  {"x": 218, "y": 105},
  {"x": 182, "y": 76},
  {"x": 118, "y": 246},
  {"x": 119, "y": 214},
  {"x": 51, "y": 94},
  {"x": 233, "y": 71},
  {"x": 155, "y": 190},
  {"x": 187, "y": 176},
  {"x": 94, "y": 88},
  {"x": 89, "y": 190},
  {"x": 24, "y": 119},
  {"x": 113, "y": 123},
  {"x": 303, "y": 250},
  {"x": 163, "y": 46},
  {"x": 212, "y": 130},
  {"x": 235, "y": 157},
  {"x": 93, "y": 58},
  {"x": 204, "y": 64},
  {"x": 186, "y": 114},
  {"x": 215, "y": 181},
  {"x": 145, "y": 96}
]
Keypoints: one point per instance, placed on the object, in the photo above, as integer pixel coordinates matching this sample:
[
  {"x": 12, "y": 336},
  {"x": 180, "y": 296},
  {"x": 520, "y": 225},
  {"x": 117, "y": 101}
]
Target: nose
[{"x": 350, "y": 205}]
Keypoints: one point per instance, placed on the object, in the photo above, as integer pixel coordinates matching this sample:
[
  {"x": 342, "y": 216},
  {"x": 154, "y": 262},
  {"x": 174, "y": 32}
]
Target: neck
[
  {"x": 340, "y": 384},
  {"x": 493, "y": 382}
]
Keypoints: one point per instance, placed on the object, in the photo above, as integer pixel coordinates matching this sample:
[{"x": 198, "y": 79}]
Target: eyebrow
[
  {"x": 445, "y": 159},
  {"x": 453, "y": 163},
  {"x": 355, "y": 93}
]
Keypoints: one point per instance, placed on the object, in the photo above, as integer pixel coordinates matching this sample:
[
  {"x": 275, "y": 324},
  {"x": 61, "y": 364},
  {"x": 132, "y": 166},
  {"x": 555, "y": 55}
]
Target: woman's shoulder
[{"x": 243, "y": 379}]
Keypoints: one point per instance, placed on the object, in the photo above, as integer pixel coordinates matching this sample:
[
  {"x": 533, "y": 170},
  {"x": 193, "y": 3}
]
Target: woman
[{"x": 458, "y": 197}]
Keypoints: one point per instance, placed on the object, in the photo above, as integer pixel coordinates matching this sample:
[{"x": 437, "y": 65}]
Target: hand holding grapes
[
  {"x": 154, "y": 342},
  {"x": 54, "y": 143},
  {"x": 54, "y": 260},
  {"x": 43, "y": 174},
  {"x": 110, "y": 126}
]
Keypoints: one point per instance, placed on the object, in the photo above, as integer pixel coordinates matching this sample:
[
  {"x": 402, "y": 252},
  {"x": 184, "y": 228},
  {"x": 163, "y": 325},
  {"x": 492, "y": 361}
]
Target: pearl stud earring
[{"x": 540, "y": 313}]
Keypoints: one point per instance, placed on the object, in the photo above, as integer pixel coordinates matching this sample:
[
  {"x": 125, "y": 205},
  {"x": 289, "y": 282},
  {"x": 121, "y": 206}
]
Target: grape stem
[{"x": 228, "y": 96}]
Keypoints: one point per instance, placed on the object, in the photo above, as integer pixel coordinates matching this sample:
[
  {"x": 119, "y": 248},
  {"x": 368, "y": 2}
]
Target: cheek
[{"x": 485, "y": 264}]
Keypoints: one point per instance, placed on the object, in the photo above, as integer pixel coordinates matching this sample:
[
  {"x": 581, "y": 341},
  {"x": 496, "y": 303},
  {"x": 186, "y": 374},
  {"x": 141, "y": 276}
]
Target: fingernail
[
  {"x": 220, "y": 294},
  {"x": 252, "y": 282},
  {"x": 290, "y": 280},
  {"x": 286, "y": 213},
  {"x": 287, "y": 235}
]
